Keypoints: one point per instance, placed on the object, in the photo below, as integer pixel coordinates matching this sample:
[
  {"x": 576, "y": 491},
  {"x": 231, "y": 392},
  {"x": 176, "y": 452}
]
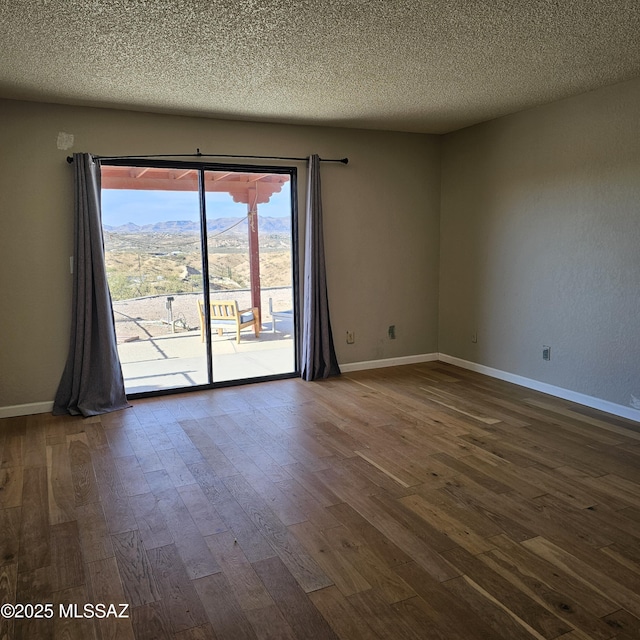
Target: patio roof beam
[{"x": 237, "y": 185}]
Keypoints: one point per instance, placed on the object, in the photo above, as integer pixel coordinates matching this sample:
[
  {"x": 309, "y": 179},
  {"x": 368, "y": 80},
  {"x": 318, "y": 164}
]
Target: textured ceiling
[{"x": 410, "y": 65}]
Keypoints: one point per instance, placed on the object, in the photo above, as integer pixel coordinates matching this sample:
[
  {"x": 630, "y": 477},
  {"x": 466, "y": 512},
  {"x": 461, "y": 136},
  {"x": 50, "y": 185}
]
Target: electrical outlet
[
  {"x": 351, "y": 337},
  {"x": 546, "y": 352},
  {"x": 392, "y": 332},
  {"x": 474, "y": 337}
]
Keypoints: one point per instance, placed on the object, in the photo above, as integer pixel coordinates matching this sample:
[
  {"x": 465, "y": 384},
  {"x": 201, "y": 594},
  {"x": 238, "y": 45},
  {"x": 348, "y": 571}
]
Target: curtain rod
[{"x": 211, "y": 155}]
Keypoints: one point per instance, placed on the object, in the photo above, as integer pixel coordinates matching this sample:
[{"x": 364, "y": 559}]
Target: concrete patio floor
[{"x": 179, "y": 360}]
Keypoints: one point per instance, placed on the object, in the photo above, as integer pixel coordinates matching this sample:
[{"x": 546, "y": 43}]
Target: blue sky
[{"x": 120, "y": 206}]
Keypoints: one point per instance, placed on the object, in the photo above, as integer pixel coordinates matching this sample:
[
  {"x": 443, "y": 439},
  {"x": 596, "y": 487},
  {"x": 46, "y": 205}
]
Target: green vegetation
[
  {"x": 148, "y": 264},
  {"x": 125, "y": 287}
]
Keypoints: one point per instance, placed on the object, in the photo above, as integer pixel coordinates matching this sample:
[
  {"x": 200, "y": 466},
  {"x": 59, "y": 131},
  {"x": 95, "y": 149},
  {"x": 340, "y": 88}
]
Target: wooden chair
[{"x": 225, "y": 314}]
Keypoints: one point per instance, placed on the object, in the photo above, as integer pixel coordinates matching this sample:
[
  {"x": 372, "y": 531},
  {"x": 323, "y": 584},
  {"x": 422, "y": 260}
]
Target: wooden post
[{"x": 254, "y": 258}]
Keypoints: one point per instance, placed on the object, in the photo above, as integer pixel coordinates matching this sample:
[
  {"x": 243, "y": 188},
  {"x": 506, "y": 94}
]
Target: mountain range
[{"x": 214, "y": 225}]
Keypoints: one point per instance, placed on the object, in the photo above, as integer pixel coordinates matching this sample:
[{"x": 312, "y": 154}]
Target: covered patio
[
  {"x": 250, "y": 188},
  {"x": 157, "y": 355},
  {"x": 179, "y": 360}
]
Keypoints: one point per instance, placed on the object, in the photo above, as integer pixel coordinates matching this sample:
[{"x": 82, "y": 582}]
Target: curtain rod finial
[
  {"x": 345, "y": 160},
  {"x": 70, "y": 159}
]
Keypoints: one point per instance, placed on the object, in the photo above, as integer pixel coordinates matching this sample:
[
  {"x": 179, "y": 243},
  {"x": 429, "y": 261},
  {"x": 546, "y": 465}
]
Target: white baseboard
[
  {"x": 26, "y": 409},
  {"x": 552, "y": 390},
  {"x": 387, "y": 362},
  {"x": 529, "y": 383}
]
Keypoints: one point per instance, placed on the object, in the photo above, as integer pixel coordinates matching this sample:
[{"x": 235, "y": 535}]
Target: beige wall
[
  {"x": 381, "y": 227},
  {"x": 540, "y": 243},
  {"x": 535, "y": 238}
]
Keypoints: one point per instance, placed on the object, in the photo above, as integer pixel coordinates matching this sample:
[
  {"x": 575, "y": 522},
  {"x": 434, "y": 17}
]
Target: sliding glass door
[
  {"x": 201, "y": 264},
  {"x": 249, "y": 248}
]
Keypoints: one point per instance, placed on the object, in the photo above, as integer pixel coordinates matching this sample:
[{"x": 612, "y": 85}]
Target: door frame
[{"x": 202, "y": 167}]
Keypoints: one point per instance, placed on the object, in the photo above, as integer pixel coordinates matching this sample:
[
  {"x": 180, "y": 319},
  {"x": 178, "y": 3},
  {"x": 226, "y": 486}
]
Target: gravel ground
[{"x": 142, "y": 318}]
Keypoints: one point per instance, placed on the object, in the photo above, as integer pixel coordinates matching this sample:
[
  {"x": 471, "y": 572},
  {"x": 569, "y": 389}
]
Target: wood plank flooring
[{"x": 412, "y": 502}]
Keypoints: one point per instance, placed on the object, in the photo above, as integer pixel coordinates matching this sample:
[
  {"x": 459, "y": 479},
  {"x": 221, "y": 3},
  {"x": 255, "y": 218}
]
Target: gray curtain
[
  {"x": 318, "y": 356},
  {"x": 92, "y": 382}
]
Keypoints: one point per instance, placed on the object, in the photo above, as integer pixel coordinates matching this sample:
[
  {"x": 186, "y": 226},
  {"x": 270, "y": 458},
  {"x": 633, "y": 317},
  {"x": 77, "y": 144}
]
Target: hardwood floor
[{"x": 412, "y": 502}]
